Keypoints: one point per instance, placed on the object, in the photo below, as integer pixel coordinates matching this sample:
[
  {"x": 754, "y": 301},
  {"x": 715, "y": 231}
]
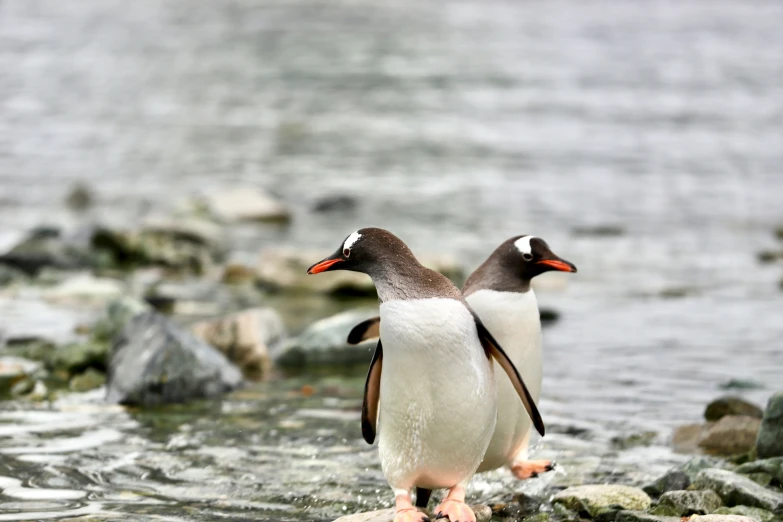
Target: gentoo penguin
[
  {"x": 431, "y": 386},
  {"x": 499, "y": 292}
]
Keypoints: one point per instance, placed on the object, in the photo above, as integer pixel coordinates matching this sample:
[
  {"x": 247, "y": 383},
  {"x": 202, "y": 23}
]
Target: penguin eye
[
  {"x": 346, "y": 252},
  {"x": 527, "y": 257}
]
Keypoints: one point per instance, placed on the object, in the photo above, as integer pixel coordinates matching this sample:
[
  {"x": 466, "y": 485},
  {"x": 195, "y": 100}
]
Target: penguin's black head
[
  {"x": 530, "y": 256},
  {"x": 513, "y": 264},
  {"x": 368, "y": 250}
]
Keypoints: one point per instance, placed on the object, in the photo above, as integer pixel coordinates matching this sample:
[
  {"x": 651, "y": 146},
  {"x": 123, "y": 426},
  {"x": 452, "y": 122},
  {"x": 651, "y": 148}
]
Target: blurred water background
[{"x": 454, "y": 124}]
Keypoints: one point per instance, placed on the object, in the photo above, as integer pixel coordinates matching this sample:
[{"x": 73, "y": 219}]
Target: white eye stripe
[
  {"x": 523, "y": 244},
  {"x": 353, "y": 238}
]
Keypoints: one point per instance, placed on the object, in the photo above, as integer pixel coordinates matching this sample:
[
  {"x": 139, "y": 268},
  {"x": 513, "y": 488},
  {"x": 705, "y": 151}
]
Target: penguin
[
  {"x": 499, "y": 291},
  {"x": 430, "y": 395}
]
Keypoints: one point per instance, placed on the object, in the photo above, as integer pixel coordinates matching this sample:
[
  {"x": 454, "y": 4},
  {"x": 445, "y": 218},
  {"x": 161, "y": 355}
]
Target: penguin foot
[
  {"x": 454, "y": 511},
  {"x": 410, "y": 515},
  {"x": 527, "y": 469}
]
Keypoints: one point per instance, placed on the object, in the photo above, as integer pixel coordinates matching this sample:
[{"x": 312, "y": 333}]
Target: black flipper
[
  {"x": 422, "y": 497},
  {"x": 369, "y": 329},
  {"x": 372, "y": 392},
  {"x": 493, "y": 348}
]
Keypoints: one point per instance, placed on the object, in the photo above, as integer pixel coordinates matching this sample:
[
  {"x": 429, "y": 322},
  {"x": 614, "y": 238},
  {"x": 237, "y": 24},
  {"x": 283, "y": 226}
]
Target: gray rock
[
  {"x": 14, "y": 370},
  {"x": 483, "y": 514},
  {"x": 773, "y": 467},
  {"x": 725, "y": 518},
  {"x": 335, "y": 203},
  {"x": 641, "y": 516},
  {"x": 155, "y": 362},
  {"x": 77, "y": 357},
  {"x": 731, "y": 435},
  {"x": 324, "y": 342},
  {"x": 735, "y": 489},
  {"x": 247, "y": 338},
  {"x": 79, "y": 197},
  {"x": 118, "y": 313},
  {"x": 693, "y": 467},
  {"x": 673, "y": 480},
  {"x": 723, "y": 406},
  {"x": 757, "y": 514},
  {"x": 85, "y": 288},
  {"x": 46, "y": 247},
  {"x": 591, "y": 499},
  {"x": 770, "y": 438},
  {"x": 688, "y": 503},
  {"x": 10, "y": 275},
  {"x": 246, "y": 204}
]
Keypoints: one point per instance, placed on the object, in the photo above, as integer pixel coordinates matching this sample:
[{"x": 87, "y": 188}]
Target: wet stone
[
  {"x": 731, "y": 435},
  {"x": 673, "y": 480},
  {"x": 772, "y": 467},
  {"x": 246, "y": 204},
  {"x": 641, "y": 516},
  {"x": 155, "y": 362},
  {"x": 590, "y": 499},
  {"x": 724, "y": 406},
  {"x": 686, "y": 438},
  {"x": 688, "y": 503},
  {"x": 76, "y": 357},
  {"x": 770, "y": 438},
  {"x": 725, "y": 518},
  {"x": 88, "y": 380},
  {"x": 757, "y": 514},
  {"x": 735, "y": 489},
  {"x": 520, "y": 506}
]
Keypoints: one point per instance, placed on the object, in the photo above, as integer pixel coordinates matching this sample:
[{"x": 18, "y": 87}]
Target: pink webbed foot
[
  {"x": 454, "y": 511},
  {"x": 410, "y": 515},
  {"x": 527, "y": 469}
]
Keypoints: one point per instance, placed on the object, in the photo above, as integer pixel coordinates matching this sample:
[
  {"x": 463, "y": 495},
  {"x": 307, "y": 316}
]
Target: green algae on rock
[{"x": 591, "y": 499}]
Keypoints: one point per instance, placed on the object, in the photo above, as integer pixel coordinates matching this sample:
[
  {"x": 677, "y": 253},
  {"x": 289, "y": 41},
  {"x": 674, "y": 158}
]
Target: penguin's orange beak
[
  {"x": 558, "y": 264},
  {"x": 323, "y": 266}
]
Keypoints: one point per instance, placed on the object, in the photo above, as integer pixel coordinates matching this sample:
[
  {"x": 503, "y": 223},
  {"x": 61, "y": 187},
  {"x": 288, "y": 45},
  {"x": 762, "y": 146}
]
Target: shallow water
[{"x": 454, "y": 124}]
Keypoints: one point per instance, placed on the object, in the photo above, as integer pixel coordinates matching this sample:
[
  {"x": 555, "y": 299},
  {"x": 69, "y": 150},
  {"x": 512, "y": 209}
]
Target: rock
[
  {"x": 46, "y": 247},
  {"x": 155, "y": 362},
  {"x": 194, "y": 230},
  {"x": 696, "y": 465},
  {"x": 686, "y": 438},
  {"x": 246, "y": 204},
  {"x": 770, "y": 439},
  {"x": 285, "y": 269},
  {"x": 118, "y": 313},
  {"x": 40, "y": 392},
  {"x": 89, "y": 380},
  {"x": 599, "y": 231},
  {"x": 634, "y": 440},
  {"x": 741, "y": 384},
  {"x": 14, "y": 370},
  {"x": 757, "y": 514},
  {"x": 779, "y": 232},
  {"x": 22, "y": 387},
  {"x": 773, "y": 467},
  {"x": 673, "y": 480},
  {"x": 538, "y": 517},
  {"x": 641, "y": 516},
  {"x": 323, "y": 343},
  {"x": 688, "y": 503},
  {"x": 247, "y": 338},
  {"x": 77, "y": 357},
  {"x": 79, "y": 197},
  {"x": 664, "y": 511},
  {"x": 736, "y": 490},
  {"x": 769, "y": 256},
  {"x": 483, "y": 514},
  {"x": 520, "y": 506},
  {"x": 731, "y": 435},
  {"x": 33, "y": 348},
  {"x": 548, "y": 316},
  {"x": 592, "y": 498},
  {"x": 11, "y": 275},
  {"x": 236, "y": 273},
  {"x": 334, "y": 203},
  {"x": 723, "y": 406},
  {"x": 183, "y": 248},
  {"x": 724, "y": 518},
  {"x": 85, "y": 287}
]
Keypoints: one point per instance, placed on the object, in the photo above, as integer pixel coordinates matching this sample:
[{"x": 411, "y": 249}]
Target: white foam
[{"x": 523, "y": 244}]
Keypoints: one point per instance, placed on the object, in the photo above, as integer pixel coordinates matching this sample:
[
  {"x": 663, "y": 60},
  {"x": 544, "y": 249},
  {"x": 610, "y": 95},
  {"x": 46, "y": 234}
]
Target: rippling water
[{"x": 456, "y": 125}]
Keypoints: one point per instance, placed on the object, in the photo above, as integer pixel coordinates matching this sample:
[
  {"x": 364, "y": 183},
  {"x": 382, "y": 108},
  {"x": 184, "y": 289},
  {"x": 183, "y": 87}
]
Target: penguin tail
[{"x": 422, "y": 497}]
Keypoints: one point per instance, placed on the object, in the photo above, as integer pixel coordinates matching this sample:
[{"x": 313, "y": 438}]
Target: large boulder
[
  {"x": 688, "y": 503},
  {"x": 155, "y": 362},
  {"x": 246, "y": 204},
  {"x": 737, "y": 490},
  {"x": 324, "y": 343},
  {"x": 285, "y": 269},
  {"x": 247, "y": 338},
  {"x": 731, "y": 435},
  {"x": 728, "y": 405},
  {"x": 770, "y": 439},
  {"x": 592, "y": 499}
]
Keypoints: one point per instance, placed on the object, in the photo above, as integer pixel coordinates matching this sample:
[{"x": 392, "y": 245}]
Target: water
[{"x": 454, "y": 124}]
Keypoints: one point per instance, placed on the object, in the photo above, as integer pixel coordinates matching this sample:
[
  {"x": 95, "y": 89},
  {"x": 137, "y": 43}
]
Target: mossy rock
[
  {"x": 89, "y": 380},
  {"x": 758, "y": 514},
  {"x": 77, "y": 357},
  {"x": 591, "y": 499}
]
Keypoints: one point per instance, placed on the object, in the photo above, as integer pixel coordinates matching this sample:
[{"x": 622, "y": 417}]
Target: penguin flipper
[
  {"x": 366, "y": 330},
  {"x": 372, "y": 392},
  {"x": 493, "y": 348}
]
